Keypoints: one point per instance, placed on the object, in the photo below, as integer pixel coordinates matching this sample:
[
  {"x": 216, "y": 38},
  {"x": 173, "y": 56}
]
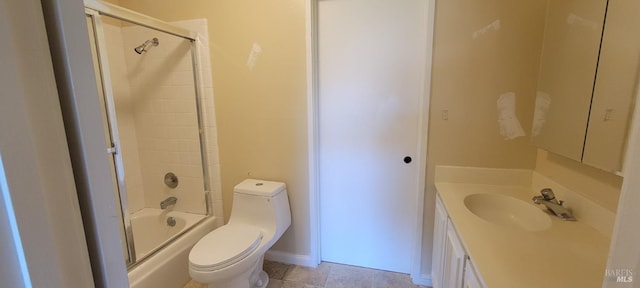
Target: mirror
[
  {"x": 615, "y": 87},
  {"x": 587, "y": 79}
]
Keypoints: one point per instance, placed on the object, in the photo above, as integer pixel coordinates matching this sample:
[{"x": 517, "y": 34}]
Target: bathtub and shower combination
[{"x": 160, "y": 137}]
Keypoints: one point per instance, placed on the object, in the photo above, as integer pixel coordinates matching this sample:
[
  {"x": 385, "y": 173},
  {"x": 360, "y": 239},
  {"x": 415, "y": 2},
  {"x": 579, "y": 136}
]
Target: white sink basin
[{"x": 507, "y": 211}]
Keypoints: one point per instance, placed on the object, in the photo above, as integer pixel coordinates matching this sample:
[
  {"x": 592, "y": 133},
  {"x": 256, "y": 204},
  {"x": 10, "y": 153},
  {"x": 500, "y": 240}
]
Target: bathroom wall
[
  {"x": 259, "y": 72},
  {"x": 482, "y": 50}
]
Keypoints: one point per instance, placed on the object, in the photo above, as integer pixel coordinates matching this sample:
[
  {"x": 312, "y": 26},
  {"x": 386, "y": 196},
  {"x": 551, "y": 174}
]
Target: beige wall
[
  {"x": 470, "y": 73},
  {"x": 261, "y": 113}
]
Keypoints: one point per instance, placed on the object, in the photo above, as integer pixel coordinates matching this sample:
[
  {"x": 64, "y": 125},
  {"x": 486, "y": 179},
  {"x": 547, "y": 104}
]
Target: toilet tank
[{"x": 261, "y": 203}]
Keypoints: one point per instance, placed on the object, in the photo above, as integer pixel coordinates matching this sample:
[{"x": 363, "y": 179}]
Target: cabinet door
[
  {"x": 439, "y": 237},
  {"x": 454, "y": 257},
  {"x": 471, "y": 276}
]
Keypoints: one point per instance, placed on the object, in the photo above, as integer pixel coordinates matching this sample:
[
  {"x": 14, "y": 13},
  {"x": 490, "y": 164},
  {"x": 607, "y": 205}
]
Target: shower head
[{"x": 143, "y": 48}]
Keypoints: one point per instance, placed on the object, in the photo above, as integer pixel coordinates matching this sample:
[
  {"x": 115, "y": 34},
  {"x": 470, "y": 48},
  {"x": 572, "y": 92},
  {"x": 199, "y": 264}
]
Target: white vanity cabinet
[
  {"x": 471, "y": 276},
  {"x": 439, "y": 238},
  {"x": 451, "y": 266}
]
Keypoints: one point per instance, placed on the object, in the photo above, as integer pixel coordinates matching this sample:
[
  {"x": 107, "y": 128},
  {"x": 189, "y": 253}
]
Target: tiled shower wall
[{"x": 156, "y": 107}]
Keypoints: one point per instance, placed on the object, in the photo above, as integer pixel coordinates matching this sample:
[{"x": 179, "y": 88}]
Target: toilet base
[
  {"x": 254, "y": 278},
  {"x": 263, "y": 279},
  {"x": 243, "y": 283},
  {"x": 259, "y": 278}
]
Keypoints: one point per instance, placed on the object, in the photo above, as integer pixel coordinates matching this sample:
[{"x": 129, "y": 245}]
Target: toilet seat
[{"x": 224, "y": 246}]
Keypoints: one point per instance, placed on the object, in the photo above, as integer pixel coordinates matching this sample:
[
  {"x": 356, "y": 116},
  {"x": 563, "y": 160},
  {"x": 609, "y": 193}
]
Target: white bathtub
[{"x": 169, "y": 266}]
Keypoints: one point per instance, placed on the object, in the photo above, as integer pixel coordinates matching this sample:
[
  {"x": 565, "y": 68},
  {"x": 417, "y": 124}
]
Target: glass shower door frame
[
  {"x": 108, "y": 108},
  {"x": 94, "y": 10}
]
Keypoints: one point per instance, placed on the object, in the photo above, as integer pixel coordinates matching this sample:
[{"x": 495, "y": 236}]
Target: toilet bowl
[{"x": 232, "y": 255}]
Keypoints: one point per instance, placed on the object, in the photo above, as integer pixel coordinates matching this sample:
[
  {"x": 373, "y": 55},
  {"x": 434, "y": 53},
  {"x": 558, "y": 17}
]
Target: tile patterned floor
[{"x": 328, "y": 275}]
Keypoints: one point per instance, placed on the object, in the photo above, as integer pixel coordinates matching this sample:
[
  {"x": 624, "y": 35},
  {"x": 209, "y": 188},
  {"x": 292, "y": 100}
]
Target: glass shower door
[
  {"x": 153, "y": 123},
  {"x": 128, "y": 250}
]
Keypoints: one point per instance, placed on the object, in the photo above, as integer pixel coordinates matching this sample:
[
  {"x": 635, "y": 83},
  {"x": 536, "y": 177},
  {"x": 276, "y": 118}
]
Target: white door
[{"x": 371, "y": 69}]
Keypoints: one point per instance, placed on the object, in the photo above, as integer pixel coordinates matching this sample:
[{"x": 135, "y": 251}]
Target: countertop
[{"x": 568, "y": 254}]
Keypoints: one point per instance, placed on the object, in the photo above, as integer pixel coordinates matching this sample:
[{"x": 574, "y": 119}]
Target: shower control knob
[{"x": 171, "y": 180}]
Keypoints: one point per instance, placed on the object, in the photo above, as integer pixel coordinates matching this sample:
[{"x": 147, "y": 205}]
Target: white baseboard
[
  {"x": 290, "y": 258},
  {"x": 424, "y": 280}
]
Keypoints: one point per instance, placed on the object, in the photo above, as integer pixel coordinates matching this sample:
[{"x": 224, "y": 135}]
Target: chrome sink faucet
[
  {"x": 548, "y": 199},
  {"x": 164, "y": 204}
]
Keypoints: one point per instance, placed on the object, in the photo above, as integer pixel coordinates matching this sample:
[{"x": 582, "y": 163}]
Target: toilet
[{"x": 232, "y": 255}]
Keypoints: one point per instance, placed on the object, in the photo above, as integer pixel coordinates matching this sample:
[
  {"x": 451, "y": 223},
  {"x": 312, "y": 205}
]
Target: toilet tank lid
[{"x": 259, "y": 187}]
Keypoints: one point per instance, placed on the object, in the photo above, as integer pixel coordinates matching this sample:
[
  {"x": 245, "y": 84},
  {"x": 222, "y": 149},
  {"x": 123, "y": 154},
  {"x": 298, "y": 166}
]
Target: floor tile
[
  {"x": 328, "y": 275},
  {"x": 292, "y": 284},
  {"x": 194, "y": 284},
  {"x": 274, "y": 283},
  {"x": 275, "y": 270},
  {"x": 344, "y": 276},
  {"x": 310, "y": 276},
  {"x": 385, "y": 279}
]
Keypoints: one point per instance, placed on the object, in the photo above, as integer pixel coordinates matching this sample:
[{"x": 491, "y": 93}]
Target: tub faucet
[
  {"x": 548, "y": 199},
  {"x": 164, "y": 204}
]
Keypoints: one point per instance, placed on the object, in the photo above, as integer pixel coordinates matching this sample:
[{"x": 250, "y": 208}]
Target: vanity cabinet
[
  {"x": 439, "y": 238},
  {"x": 451, "y": 265},
  {"x": 471, "y": 276}
]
